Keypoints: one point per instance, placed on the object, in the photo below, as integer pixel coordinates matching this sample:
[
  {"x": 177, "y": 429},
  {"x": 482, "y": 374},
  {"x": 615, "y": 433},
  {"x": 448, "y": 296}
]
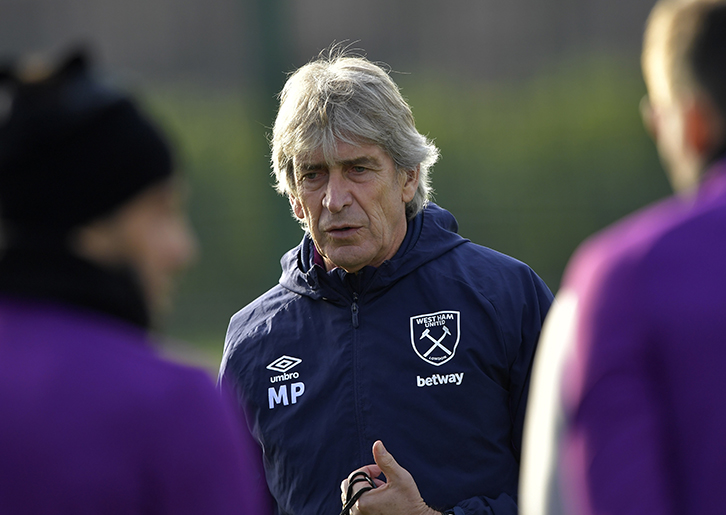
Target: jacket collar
[
  {"x": 57, "y": 275},
  {"x": 430, "y": 234}
]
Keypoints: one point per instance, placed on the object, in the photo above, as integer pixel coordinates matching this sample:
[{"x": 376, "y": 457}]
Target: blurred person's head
[
  {"x": 84, "y": 171},
  {"x": 684, "y": 65},
  {"x": 336, "y": 112}
]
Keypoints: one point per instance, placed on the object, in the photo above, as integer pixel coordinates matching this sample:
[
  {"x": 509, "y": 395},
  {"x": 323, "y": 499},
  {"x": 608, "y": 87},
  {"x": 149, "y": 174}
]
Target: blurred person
[
  {"x": 627, "y": 413},
  {"x": 386, "y": 325},
  {"x": 94, "y": 229}
]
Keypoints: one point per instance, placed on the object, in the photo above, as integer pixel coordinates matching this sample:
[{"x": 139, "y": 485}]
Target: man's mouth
[{"x": 342, "y": 231}]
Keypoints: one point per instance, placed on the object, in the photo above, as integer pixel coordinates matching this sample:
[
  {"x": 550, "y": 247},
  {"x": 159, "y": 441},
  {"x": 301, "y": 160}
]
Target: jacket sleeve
[
  {"x": 502, "y": 505},
  {"x": 527, "y": 316}
]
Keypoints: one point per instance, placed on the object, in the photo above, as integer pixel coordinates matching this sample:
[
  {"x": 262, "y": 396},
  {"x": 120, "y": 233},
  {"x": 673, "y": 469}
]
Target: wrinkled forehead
[{"x": 308, "y": 158}]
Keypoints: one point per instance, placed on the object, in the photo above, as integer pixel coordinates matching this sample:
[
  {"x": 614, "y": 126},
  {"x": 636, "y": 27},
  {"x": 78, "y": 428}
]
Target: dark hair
[
  {"x": 708, "y": 55},
  {"x": 72, "y": 149}
]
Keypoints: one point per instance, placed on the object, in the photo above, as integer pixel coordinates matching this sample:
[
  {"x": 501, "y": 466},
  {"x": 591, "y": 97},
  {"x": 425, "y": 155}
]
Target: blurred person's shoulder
[{"x": 98, "y": 371}]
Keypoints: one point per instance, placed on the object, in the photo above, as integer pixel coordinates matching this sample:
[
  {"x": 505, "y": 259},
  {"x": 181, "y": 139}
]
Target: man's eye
[
  {"x": 310, "y": 176},
  {"x": 359, "y": 169}
]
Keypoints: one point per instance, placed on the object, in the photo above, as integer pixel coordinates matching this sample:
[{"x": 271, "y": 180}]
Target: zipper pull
[{"x": 354, "y": 310}]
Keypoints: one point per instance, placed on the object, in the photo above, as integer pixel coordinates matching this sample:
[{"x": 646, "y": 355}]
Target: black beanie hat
[{"x": 72, "y": 150}]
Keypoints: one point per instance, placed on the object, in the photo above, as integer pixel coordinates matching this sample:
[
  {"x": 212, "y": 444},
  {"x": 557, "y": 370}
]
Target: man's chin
[{"x": 349, "y": 261}]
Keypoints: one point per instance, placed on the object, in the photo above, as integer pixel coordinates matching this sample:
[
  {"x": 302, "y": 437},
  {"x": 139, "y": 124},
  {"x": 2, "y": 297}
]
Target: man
[
  {"x": 386, "y": 324},
  {"x": 91, "y": 419},
  {"x": 640, "y": 325}
]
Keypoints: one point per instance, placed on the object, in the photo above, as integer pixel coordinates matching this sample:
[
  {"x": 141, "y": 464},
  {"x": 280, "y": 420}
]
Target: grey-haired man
[{"x": 386, "y": 325}]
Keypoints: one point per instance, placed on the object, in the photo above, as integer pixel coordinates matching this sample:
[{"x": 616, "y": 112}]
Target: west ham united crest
[{"x": 435, "y": 336}]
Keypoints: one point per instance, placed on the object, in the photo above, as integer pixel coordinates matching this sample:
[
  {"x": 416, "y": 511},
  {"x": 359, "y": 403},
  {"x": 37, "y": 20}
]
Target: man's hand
[{"x": 399, "y": 495}]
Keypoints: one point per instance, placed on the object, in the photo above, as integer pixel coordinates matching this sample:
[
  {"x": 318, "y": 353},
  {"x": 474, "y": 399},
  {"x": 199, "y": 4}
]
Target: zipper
[
  {"x": 359, "y": 425},
  {"x": 354, "y": 311}
]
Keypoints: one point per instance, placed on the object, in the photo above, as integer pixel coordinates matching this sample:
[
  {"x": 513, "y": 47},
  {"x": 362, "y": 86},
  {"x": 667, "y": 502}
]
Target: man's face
[
  {"x": 160, "y": 241},
  {"x": 355, "y": 209},
  {"x": 151, "y": 235}
]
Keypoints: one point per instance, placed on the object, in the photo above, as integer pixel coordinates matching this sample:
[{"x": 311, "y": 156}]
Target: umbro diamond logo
[{"x": 284, "y": 363}]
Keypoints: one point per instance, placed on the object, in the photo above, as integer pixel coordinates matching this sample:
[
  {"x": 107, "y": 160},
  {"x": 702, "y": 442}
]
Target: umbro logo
[
  {"x": 284, "y": 363},
  {"x": 280, "y": 396}
]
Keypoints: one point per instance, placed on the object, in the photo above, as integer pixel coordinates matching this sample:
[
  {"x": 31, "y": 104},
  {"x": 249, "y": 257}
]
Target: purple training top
[
  {"x": 92, "y": 421},
  {"x": 641, "y": 333}
]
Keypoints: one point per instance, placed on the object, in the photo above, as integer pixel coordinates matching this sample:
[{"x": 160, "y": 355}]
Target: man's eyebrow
[
  {"x": 357, "y": 161},
  {"x": 308, "y": 167},
  {"x": 363, "y": 160}
]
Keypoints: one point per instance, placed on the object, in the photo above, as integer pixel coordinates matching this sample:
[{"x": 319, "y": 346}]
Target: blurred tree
[{"x": 275, "y": 41}]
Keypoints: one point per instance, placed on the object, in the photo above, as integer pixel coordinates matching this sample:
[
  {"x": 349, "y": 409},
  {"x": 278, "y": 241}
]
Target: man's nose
[{"x": 337, "y": 193}]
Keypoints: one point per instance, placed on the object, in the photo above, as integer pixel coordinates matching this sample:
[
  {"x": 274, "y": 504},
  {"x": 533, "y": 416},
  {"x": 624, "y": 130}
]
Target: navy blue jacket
[{"x": 430, "y": 353}]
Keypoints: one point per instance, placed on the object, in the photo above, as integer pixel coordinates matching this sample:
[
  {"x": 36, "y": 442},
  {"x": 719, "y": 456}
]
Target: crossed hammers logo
[{"x": 437, "y": 343}]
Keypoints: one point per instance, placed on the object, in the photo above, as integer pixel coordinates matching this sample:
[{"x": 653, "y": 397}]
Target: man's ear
[
  {"x": 648, "y": 115},
  {"x": 297, "y": 208},
  {"x": 99, "y": 241},
  {"x": 411, "y": 183},
  {"x": 703, "y": 127}
]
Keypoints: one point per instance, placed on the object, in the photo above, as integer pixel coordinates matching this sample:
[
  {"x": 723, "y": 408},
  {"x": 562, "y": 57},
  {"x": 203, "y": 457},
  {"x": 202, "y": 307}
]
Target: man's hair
[
  {"x": 346, "y": 98},
  {"x": 689, "y": 37}
]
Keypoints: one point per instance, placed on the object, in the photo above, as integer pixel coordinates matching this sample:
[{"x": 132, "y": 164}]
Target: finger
[
  {"x": 344, "y": 487},
  {"x": 386, "y": 462},
  {"x": 372, "y": 470}
]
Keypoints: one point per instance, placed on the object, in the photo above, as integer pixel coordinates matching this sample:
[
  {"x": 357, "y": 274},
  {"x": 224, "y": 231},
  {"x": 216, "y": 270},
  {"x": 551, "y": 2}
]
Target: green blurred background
[{"x": 534, "y": 105}]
